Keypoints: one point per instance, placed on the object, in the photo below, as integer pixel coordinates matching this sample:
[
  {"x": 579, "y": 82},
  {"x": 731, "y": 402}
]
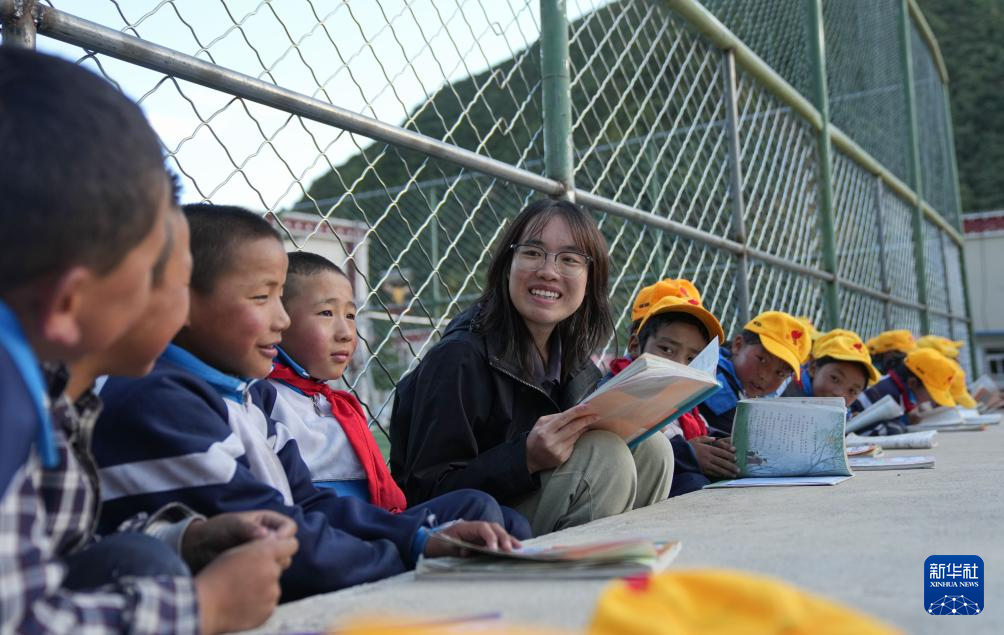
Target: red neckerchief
[
  {"x": 904, "y": 392},
  {"x": 619, "y": 364},
  {"x": 384, "y": 492}
]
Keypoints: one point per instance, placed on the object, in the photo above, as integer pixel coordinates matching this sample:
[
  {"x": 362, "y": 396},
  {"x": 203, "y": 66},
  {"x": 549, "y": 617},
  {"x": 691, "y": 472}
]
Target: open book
[
  {"x": 648, "y": 395},
  {"x": 891, "y": 463},
  {"x": 922, "y": 440},
  {"x": 790, "y": 437},
  {"x": 951, "y": 419},
  {"x": 986, "y": 391},
  {"x": 592, "y": 560},
  {"x": 884, "y": 409}
]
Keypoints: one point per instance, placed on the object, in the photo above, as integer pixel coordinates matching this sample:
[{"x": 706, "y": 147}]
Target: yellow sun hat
[
  {"x": 817, "y": 341},
  {"x": 721, "y": 602},
  {"x": 809, "y": 326},
  {"x": 846, "y": 349},
  {"x": 948, "y": 348},
  {"x": 673, "y": 304},
  {"x": 959, "y": 391},
  {"x": 935, "y": 371},
  {"x": 783, "y": 336},
  {"x": 898, "y": 340}
]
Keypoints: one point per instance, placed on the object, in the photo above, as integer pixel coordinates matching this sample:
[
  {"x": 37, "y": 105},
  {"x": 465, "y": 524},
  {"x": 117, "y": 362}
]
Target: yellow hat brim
[
  {"x": 709, "y": 321},
  {"x": 873, "y": 374},
  {"x": 965, "y": 400},
  {"x": 941, "y": 397},
  {"x": 781, "y": 351}
]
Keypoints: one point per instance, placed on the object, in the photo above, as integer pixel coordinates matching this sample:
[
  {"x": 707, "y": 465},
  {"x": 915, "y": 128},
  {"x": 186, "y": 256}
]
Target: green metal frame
[
  {"x": 831, "y": 295},
  {"x": 556, "y": 84},
  {"x": 914, "y": 163}
]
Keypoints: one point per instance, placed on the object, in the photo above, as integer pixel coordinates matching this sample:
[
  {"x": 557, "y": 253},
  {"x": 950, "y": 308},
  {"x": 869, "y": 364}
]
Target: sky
[{"x": 377, "y": 58}]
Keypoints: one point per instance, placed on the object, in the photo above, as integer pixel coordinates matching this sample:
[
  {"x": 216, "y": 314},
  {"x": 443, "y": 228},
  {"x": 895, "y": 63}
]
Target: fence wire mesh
[{"x": 650, "y": 130}]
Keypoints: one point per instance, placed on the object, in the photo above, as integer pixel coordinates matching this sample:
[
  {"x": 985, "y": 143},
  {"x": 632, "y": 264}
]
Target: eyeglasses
[{"x": 568, "y": 264}]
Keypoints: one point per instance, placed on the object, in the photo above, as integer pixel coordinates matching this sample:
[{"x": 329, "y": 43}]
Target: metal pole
[
  {"x": 556, "y": 81},
  {"x": 19, "y": 24},
  {"x": 831, "y": 294},
  {"x": 738, "y": 205},
  {"x": 960, "y": 225},
  {"x": 914, "y": 163},
  {"x": 880, "y": 230}
]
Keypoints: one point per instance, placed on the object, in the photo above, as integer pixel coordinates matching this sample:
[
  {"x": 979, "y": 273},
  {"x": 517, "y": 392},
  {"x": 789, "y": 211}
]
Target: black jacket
[{"x": 461, "y": 418}]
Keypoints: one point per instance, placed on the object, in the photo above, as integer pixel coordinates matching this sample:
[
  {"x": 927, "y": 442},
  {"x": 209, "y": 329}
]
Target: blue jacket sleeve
[{"x": 167, "y": 439}]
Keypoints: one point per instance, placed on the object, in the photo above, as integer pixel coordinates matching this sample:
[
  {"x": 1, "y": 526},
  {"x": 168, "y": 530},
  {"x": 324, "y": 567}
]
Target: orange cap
[
  {"x": 935, "y": 371},
  {"x": 959, "y": 391},
  {"x": 673, "y": 304},
  {"x": 783, "y": 336},
  {"x": 899, "y": 340},
  {"x": 846, "y": 349},
  {"x": 647, "y": 297}
]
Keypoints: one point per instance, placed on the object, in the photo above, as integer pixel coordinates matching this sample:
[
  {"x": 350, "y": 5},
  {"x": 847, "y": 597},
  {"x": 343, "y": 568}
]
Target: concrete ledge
[{"x": 863, "y": 543}]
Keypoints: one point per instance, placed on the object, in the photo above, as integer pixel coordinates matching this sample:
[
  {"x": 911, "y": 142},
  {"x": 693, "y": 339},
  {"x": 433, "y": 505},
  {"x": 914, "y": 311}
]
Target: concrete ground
[{"x": 863, "y": 543}]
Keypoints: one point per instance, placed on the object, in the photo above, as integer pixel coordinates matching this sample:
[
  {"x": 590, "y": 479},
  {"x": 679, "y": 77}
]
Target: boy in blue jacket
[
  {"x": 83, "y": 219},
  {"x": 771, "y": 347},
  {"x": 193, "y": 431}
]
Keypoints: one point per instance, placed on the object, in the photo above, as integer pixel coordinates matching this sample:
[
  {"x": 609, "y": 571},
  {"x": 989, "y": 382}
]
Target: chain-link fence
[{"x": 398, "y": 137}]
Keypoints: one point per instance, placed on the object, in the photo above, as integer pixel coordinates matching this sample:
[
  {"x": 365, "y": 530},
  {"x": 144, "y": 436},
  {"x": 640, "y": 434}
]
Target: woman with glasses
[{"x": 492, "y": 406}]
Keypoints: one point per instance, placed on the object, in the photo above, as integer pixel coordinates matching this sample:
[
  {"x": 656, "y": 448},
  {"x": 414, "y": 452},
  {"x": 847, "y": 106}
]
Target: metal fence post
[
  {"x": 19, "y": 25},
  {"x": 738, "y": 206},
  {"x": 883, "y": 273},
  {"x": 913, "y": 152},
  {"x": 831, "y": 296},
  {"x": 960, "y": 225},
  {"x": 556, "y": 81}
]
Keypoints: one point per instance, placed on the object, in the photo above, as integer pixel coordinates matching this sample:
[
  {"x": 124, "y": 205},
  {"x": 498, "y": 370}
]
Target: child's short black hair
[
  {"x": 749, "y": 337},
  {"x": 217, "y": 234},
  {"x": 83, "y": 175},
  {"x": 900, "y": 368},
  {"x": 305, "y": 263},
  {"x": 887, "y": 360},
  {"x": 660, "y": 320},
  {"x": 825, "y": 361}
]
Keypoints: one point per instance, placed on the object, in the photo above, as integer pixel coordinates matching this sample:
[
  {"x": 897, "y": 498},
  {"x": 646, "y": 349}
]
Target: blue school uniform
[
  {"x": 46, "y": 513},
  {"x": 719, "y": 410},
  {"x": 190, "y": 433},
  {"x": 892, "y": 385}
]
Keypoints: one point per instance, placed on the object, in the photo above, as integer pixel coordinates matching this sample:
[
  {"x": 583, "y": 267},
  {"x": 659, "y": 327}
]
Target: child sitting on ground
[
  {"x": 329, "y": 426},
  {"x": 771, "y": 347},
  {"x": 84, "y": 205},
  {"x": 193, "y": 431},
  {"x": 677, "y": 327},
  {"x": 923, "y": 375},
  {"x": 839, "y": 366},
  {"x": 889, "y": 348}
]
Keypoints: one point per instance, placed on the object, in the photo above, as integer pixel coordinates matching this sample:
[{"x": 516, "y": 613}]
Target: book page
[
  {"x": 911, "y": 440},
  {"x": 778, "y": 437},
  {"x": 884, "y": 409},
  {"x": 778, "y": 481}
]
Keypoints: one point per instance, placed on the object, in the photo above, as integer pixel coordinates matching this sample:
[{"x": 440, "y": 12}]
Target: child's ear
[
  {"x": 812, "y": 369},
  {"x": 737, "y": 344},
  {"x": 58, "y": 316},
  {"x": 634, "y": 346}
]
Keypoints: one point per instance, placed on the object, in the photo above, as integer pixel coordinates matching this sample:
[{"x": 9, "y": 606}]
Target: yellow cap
[
  {"x": 817, "y": 341},
  {"x": 959, "y": 391},
  {"x": 948, "y": 348},
  {"x": 715, "y": 602},
  {"x": 672, "y": 304},
  {"x": 641, "y": 303},
  {"x": 810, "y": 328},
  {"x": 783, "y": 336},
  {"x": 935, "y": 371},
  {"x": 899, "y": 340},
  {"x": 846, "y": 349},
  {"x": 647, "y": 297}
]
